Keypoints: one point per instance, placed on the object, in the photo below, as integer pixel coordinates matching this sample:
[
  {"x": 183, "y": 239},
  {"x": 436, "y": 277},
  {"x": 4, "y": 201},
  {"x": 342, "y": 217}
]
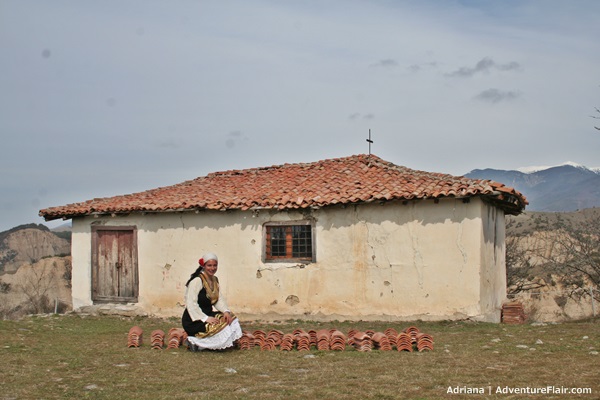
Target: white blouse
[{"x": 191, "y": 301}]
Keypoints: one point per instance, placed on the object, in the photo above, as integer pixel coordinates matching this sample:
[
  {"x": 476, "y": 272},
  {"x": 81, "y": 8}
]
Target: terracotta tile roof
[{"x": 354, "y": 179}]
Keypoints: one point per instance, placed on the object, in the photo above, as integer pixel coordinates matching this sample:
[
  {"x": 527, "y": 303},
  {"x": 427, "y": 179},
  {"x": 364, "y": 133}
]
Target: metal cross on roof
[{"x": 370, "y": 141}]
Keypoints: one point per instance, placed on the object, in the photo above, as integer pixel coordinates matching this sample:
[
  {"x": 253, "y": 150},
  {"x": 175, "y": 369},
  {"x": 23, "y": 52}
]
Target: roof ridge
[{"x": 233, "y": 172}]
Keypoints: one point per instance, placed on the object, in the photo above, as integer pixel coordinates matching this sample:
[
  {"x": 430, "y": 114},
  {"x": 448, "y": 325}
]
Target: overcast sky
[{"x": 101, "y": 98}]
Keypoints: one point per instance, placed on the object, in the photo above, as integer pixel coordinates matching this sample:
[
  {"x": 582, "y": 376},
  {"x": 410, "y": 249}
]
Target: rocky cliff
[
  {"x": 35, "y": 271},
  {"x": 25, "y": 245}
]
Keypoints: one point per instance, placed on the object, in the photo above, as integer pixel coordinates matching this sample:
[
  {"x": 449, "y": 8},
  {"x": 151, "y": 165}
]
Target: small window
[{"x": 289, "y": 242}]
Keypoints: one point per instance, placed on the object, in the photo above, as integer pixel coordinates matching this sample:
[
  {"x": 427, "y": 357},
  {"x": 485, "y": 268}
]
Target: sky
[{"x": 103, "y": 98}]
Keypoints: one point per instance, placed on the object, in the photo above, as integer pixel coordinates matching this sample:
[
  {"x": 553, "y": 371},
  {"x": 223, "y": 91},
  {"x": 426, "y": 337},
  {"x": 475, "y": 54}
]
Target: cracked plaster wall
[{"x": 393, "y": 261}]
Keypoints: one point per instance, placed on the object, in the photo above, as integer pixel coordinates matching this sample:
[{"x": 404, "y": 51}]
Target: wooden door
[{"x": 114, "y": 264}]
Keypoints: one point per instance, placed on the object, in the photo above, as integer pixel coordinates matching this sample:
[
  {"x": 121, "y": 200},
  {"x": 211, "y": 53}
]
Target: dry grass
[{"x": 87, "y": 357}]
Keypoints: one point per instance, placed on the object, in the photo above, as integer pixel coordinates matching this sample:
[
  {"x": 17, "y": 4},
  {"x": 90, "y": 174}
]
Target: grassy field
[{"x": 69, "y": 356}]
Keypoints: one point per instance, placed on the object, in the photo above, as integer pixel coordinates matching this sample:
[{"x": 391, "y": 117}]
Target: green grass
[{"x": 51, "y": 357}]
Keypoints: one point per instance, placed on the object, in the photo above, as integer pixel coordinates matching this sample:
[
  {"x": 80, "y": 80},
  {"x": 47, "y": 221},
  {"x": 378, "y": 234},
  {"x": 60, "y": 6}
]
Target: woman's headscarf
[
  {"x": 206, "y": 257},
  {"x": 202, "y": 261}
]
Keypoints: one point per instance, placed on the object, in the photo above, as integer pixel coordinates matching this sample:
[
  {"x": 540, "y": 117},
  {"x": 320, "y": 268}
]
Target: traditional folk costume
[{"x": 202, "y": 294}]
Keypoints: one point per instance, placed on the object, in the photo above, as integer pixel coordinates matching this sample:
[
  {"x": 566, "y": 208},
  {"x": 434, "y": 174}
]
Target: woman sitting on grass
[{"x": 206, "y": 328}]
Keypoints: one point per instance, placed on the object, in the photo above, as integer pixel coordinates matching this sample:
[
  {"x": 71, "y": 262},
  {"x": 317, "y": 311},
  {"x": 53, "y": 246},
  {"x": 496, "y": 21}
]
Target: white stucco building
[{"x": 347, "y": 238}]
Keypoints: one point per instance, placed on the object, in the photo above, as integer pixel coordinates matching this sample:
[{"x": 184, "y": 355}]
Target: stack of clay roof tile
[
  {"x": 313, "y": 337},
  {"x": 176, "y": 337},
  {"x": 267, "y": 345},
  {"x": 362, "y": 342},
  {"x": 412, "y": 331},
  {"x": 392, "y": 335},
  {"x": 299, "y": 331},
  {"x": 157, "y": 339},
  {"x": 424, "y": 341},
  {"x": 246, "y": 342},
  {"x": 381, "y": 341},
  {"x": 287, "y": 342},
  {"x": 259, "y": 337},
  {"x": 409, "y": 339},
  {"x": 134, "y": 337},
  {"x": 275, "y": 336},
  {"x": 404, "y": 342},
  {"x": 351, "y": 334},
  {"x": 337, "y": 340},
  {"x": 513, "y": 313},
  {"x": 302, "y": 340},
  {"x": 272, "y": 340},
  {"x": 323, "y": 336}
]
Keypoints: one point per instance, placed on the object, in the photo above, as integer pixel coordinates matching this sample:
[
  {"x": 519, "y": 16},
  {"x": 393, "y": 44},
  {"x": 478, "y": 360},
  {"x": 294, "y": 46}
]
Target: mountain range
[{"x": 566, "y": 187}]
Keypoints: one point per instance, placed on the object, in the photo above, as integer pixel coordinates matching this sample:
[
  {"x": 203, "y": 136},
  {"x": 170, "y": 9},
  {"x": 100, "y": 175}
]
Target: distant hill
[
  {"x": 535, "y": 221},
  {"x": 27, "y": 244},
  {"x": 567, "y": 187}
]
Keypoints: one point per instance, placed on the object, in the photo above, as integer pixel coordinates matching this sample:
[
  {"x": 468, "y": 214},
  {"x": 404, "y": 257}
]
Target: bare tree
[
  {"x": 36, "y": 287},
  {"x": 520, "y": 276},
  {"x": 575, "y": 253},
  {"x": 597, "y": 117}
]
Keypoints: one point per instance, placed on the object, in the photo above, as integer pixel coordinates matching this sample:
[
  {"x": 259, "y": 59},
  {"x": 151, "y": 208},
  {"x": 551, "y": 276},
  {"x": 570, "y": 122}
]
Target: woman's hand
[
  {"x": 228, "y": 317},
  {"x": 212, "y": 321}
]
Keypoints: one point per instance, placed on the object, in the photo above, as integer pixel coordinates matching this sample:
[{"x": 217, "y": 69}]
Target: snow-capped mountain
[
  {"x": 530, "y": 169},
  {"x": 566, "y": 187}
]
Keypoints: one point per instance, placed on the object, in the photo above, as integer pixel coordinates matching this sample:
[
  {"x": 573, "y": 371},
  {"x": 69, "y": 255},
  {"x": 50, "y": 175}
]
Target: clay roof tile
[{"x": 358, "y": 178}]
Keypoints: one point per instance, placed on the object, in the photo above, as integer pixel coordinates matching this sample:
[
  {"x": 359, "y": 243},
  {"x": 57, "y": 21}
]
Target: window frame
[{"x": 269, "y": 258}]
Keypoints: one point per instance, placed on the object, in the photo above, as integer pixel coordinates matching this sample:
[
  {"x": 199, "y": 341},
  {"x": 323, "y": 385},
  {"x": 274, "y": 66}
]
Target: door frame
[{"x": 134, "y": 255}]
